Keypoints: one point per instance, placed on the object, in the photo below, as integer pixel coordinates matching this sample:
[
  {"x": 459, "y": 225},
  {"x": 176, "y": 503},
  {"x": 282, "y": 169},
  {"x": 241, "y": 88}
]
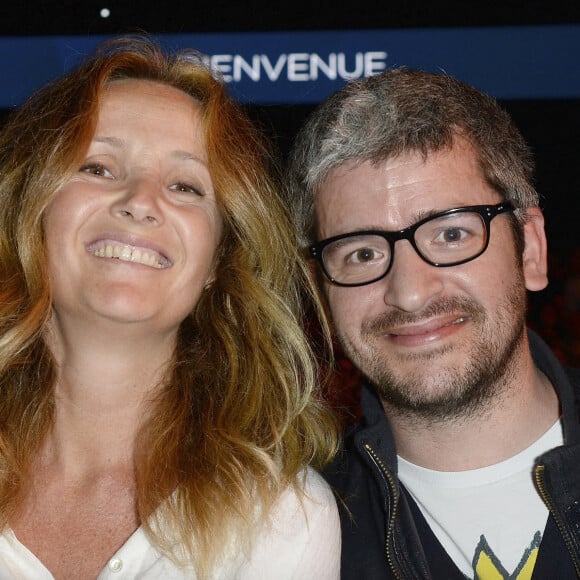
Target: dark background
[{"x": 552, "y": 127}]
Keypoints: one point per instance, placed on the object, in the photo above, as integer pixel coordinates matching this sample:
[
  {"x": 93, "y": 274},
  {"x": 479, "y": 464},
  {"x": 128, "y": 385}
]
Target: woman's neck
[{"x": 105, "y": 381}]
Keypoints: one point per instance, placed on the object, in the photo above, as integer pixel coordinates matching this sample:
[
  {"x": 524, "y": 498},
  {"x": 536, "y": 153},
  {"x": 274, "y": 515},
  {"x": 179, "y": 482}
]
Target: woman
[{"x": 156, "y": 406}]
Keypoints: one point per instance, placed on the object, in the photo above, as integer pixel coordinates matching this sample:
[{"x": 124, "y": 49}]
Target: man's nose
[{"x": 411, "y": 282}]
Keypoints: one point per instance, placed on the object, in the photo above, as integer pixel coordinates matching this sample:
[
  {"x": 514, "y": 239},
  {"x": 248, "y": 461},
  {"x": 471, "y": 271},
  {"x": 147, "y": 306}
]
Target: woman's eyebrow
[{"x": 113, "y": 141}]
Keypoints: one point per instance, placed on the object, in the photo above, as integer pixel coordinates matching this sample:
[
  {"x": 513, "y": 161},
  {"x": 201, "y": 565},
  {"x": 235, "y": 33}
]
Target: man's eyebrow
[{"x": 430, "y": 212}]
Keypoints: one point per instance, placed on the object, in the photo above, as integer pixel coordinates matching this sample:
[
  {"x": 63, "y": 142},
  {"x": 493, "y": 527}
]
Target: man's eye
[
  {"x": 452, "y": 235},
  {"x": 182, "y": 187},
  {"x": 363, "y": 255},
  {"x": 96, "y": 169}
]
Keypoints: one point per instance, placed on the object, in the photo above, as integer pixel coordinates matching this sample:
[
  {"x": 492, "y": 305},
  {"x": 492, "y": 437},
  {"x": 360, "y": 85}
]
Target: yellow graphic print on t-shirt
[{"x": 487, "y": 566}]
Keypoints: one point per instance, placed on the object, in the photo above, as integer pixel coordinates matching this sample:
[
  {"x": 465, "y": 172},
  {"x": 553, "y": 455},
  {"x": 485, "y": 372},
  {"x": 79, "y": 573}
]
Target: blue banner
[{"x": 527, "y": 62}]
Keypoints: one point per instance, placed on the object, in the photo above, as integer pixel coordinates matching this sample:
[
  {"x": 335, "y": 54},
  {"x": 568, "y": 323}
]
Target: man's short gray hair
[{"x": 400, "y": 111}]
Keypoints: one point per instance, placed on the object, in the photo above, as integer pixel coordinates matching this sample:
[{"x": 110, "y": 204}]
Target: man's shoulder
[
  {"x": 369, "y": 435},
  {"x": 361, "y": 503},
  {"x": 574, "y": 376},
  {"x": 347, "y": 460}
]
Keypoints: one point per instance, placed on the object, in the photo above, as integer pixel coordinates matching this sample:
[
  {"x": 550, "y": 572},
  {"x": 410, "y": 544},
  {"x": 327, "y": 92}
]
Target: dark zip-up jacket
[{"x": 381, "y": 537}]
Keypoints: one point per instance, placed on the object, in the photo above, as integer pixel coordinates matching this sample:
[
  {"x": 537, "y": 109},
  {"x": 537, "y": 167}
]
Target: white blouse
[{"x": 302, "y": 542}]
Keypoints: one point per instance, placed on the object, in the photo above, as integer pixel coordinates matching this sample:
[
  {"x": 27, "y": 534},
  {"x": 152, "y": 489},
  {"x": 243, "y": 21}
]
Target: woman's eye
[
  {"x": 186, "y": 188},
  {"x": 96, "y": 169}
]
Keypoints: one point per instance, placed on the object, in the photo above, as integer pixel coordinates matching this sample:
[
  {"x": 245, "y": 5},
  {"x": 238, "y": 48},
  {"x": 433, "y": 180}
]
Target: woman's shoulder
[
  {"x": 308, "y": 496},
  {"x": 302, "y": 536},
  {"x": 315, "y": 487}
]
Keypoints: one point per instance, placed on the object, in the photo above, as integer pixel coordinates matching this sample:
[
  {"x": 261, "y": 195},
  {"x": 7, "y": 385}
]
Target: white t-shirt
[
  {"x": 302, "y": 542},
  {"x": 490, "y": 520}
]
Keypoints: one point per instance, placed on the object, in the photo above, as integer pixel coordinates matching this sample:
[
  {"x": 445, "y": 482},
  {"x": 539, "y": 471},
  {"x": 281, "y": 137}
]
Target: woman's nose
[{"x": 140, "y": 202}]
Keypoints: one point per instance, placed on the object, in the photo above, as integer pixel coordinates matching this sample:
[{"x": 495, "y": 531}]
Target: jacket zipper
[
  {"x": 539, "y": 477},
  {"x": 391, "y": 524}
]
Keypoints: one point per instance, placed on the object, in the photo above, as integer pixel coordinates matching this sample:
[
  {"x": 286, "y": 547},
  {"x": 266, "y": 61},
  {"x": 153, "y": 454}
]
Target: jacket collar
[{"x": 547, "y": 362}]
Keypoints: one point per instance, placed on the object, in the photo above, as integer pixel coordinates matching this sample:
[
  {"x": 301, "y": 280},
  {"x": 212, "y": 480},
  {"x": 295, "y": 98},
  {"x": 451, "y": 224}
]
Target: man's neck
[{"x": 522, "y": 412}]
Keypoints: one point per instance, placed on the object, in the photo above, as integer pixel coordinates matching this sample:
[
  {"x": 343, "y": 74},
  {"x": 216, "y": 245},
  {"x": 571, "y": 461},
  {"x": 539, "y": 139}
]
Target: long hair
[
  {"x": 237, "y": 417},
  {"x": 402, "y": 111}
]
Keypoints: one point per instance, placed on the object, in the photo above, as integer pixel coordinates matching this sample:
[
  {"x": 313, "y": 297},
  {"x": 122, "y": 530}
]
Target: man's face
[{"x": 436, "y": 342}]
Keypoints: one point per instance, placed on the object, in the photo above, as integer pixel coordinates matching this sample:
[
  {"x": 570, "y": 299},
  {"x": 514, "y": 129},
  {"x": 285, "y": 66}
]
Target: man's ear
[{"x": 535, "y": 257}]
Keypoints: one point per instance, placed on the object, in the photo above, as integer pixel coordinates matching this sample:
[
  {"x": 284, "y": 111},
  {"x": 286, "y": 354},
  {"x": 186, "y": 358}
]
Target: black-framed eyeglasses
[{"x": 448, "y": 238}]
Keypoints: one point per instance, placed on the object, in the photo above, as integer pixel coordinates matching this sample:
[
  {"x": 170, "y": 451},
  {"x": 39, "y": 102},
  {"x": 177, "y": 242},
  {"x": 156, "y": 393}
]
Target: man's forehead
[
  {"x": 460, "y": 148},
  {"x": 401, "y": 190}
]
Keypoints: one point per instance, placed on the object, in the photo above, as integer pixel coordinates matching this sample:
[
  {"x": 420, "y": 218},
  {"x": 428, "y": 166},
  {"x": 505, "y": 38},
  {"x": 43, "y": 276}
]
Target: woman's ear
[{"x": 535, "y": 257}]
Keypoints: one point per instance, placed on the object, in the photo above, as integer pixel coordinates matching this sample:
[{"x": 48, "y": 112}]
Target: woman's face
[{"x": 132, "y": 236}]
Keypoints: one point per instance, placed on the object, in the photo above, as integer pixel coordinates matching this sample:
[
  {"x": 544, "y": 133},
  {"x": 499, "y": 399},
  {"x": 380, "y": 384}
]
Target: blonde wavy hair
[{"x": 237, "y": 418}]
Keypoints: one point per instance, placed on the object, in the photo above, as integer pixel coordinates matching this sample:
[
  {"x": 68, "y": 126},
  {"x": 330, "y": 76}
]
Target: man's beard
[{"x": 459, "y": 391}]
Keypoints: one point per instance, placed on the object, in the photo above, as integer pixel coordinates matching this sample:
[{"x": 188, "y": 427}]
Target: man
[{"x": 414, "y": 193}]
